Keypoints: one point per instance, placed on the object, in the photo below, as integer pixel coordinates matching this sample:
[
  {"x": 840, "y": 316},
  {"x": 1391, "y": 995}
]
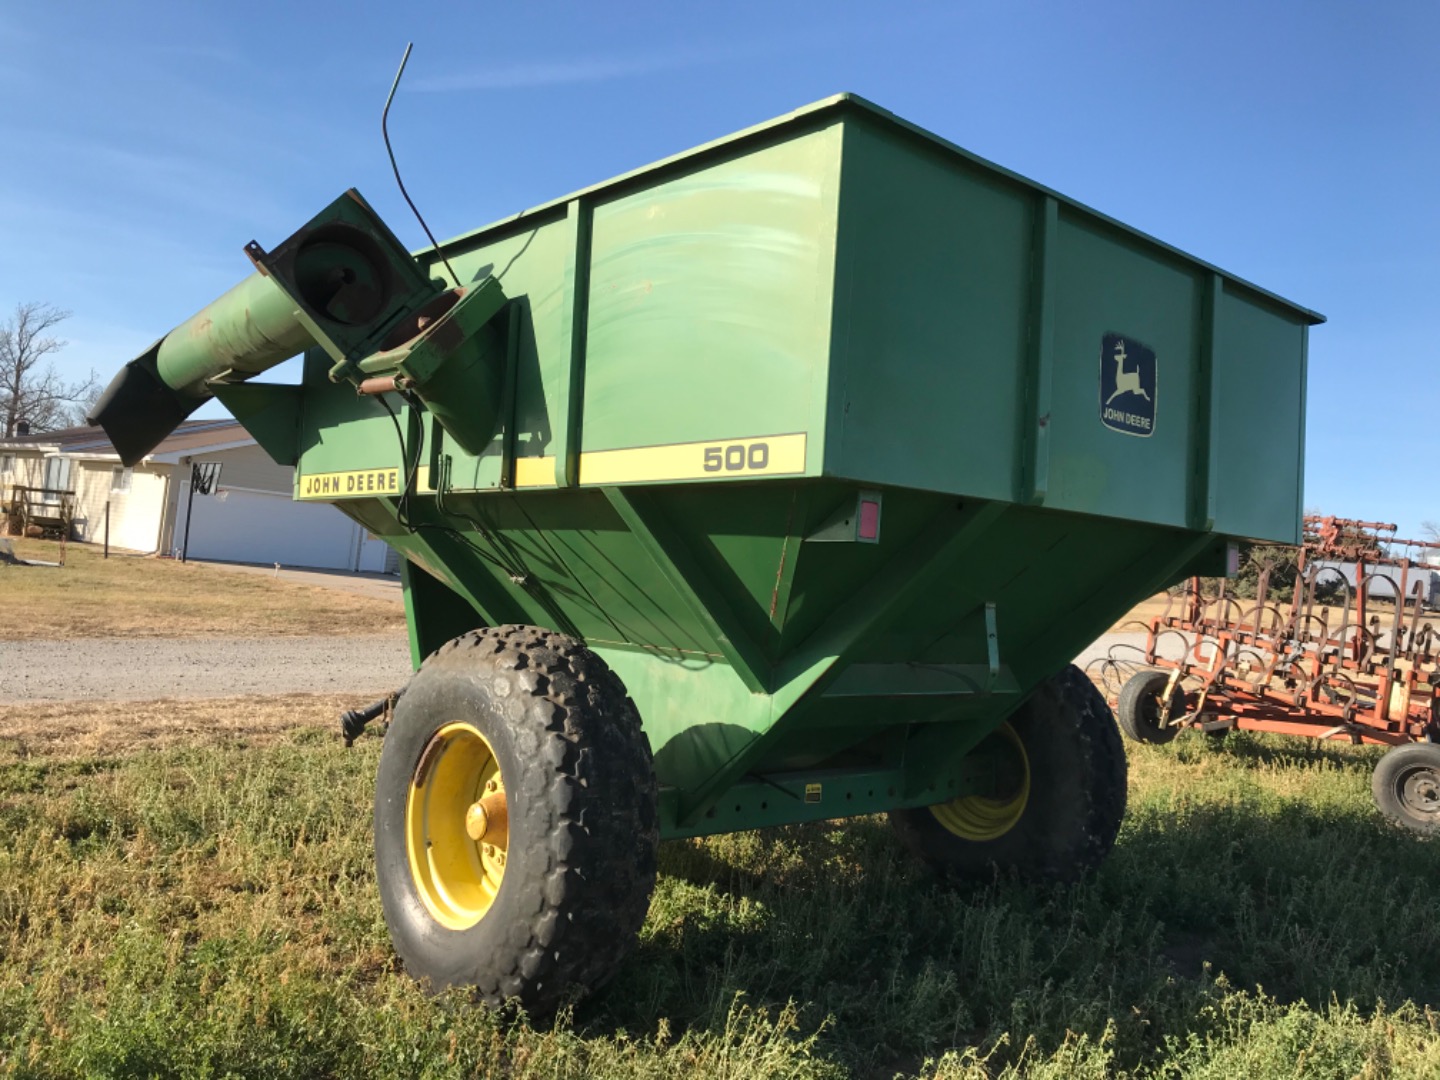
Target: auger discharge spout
[{"x": 342, "y": 284}]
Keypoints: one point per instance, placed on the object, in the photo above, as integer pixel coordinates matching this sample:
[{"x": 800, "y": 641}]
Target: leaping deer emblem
[{"x": 1126, "y": 382}]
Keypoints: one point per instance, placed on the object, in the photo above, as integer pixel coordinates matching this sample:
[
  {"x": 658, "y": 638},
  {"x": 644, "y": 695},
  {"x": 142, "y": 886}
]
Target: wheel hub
[
  {"x": 488, "y": 817},
  {"x": 457, "y": 830},
  {"x": 1420, "y": 791},
  {"x": 983, "y": 817}
]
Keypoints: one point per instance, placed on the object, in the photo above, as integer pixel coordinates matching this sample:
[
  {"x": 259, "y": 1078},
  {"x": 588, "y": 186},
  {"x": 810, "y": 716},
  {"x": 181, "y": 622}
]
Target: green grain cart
[{"x": 777, "y": 481}]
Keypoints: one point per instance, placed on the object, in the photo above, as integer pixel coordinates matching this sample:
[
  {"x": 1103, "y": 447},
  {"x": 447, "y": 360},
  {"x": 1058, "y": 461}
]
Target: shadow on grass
[
  {"x": 1307, "y": 904},
  {"x": 1293, "y": 884},
  {"x": 1248, "y": 750}
]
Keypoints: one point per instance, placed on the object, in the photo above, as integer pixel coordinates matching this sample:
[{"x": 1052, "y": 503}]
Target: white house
[
  {"x": 1384, "y": 580},
  {"x": 250, "y": 517}
]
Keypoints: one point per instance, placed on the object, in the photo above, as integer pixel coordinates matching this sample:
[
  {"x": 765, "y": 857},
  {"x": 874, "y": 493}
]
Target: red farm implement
[{"x": 1349, "y": 651}]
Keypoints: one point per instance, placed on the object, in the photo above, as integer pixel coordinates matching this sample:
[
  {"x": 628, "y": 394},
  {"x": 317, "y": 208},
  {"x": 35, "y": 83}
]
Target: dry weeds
[
  {"x": 69, "y": 730},
  {"x": 138, "y": 596}
]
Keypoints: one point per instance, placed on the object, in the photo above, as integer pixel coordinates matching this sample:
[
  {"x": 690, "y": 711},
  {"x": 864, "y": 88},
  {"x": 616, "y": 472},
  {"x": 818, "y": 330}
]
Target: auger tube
[{"x": 249, "y": 329}]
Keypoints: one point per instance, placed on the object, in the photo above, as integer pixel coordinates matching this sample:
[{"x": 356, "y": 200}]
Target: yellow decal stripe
[
  {"x": 534, "y": 472},
  {"x": 773, "y": 455},
  {"x": 357, "y": 484}
]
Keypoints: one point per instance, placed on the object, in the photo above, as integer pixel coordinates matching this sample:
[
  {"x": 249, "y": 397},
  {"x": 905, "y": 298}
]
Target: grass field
[
  {"x": 186, "y": 890},
  {"x": 134, "y": 596}
]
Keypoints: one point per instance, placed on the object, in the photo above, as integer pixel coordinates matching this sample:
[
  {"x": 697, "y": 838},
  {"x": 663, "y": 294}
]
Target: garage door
[{"x": 238, "y": 525}]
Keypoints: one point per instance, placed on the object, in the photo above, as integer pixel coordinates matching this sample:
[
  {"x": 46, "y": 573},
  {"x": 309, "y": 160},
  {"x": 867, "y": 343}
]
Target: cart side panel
[
  {"x": 930, "y": 323},
  {"x": 1112, "y": 290},
  {"x": 994, "y": 340},
  {"x": 709, "y": 300},
  {"x": 1260, "y": 391}
]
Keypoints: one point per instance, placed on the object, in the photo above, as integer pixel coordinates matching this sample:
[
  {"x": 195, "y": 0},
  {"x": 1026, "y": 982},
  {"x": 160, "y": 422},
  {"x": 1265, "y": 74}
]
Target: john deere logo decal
[{"x": 1127, "y": 385}]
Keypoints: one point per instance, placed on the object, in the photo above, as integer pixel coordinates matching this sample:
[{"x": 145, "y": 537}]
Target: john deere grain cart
[{"x": 778, "y": 481}]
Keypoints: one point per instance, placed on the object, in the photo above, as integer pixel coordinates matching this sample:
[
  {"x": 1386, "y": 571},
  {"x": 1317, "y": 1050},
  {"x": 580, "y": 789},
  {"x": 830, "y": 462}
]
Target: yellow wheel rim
[
  {"x": 457, "y": 826},
  {"x": 979, "y": 817}
]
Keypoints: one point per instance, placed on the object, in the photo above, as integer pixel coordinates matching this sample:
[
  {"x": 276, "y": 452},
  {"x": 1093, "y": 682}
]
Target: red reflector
[{"x": 869, "y": 520}]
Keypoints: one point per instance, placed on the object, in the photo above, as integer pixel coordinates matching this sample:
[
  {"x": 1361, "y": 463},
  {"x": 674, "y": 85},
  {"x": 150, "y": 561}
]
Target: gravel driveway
[
  {"x": 140, "y": 669},
  {"x": 81, "y": 669},
  {"x": 1131, "y": 647}
]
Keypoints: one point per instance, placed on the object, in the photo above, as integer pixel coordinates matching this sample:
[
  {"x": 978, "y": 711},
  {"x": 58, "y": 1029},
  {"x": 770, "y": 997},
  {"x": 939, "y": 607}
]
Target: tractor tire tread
[
  {"x": 1130, "y": 708},
  {"x": 1385, "y": 781},
  {"x": 1066, "y": 726},
  {"x": 587, "y": 768}
]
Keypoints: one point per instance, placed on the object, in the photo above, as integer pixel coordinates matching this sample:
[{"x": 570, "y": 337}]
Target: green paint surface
[
  {"x": 710, "y": 296},
  {"x": 932, "y": 325}
]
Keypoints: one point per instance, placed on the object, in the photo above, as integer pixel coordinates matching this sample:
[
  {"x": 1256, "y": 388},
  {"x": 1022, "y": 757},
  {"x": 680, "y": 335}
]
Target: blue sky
[{"x": 1295, "y": 144}]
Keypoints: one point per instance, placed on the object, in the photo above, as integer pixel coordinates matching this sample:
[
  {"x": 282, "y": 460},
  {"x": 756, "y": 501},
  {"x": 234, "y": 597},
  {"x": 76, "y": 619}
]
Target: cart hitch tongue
[{"x": 352, "y": 723}]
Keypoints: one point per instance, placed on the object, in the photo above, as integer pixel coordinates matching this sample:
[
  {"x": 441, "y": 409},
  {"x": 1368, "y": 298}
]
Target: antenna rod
[{"x": 385, "y": 131}]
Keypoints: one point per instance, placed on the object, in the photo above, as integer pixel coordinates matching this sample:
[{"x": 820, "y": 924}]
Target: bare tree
[
  {"x": 31, "y": 390},
  {"x": 83, "y": 404},
  {"x": 1431, "y": 529}
]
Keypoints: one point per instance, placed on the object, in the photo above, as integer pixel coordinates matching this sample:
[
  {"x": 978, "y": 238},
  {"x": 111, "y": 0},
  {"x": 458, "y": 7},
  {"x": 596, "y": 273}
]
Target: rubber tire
[
  {"x": 1136, "y": 710},
  {"x": 1077, "y": 794},
  {"x": 1389, "y": 776},
  {"x": 584, "y": 825}
]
